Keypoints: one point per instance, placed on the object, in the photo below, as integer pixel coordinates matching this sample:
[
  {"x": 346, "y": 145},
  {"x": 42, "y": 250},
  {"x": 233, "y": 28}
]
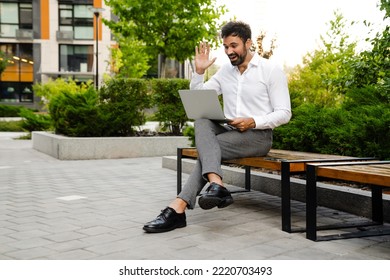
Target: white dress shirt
[{"x": 261, "y": 92}]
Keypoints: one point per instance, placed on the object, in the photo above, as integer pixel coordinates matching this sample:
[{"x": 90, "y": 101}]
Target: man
[{"x": 255, "y": 98}]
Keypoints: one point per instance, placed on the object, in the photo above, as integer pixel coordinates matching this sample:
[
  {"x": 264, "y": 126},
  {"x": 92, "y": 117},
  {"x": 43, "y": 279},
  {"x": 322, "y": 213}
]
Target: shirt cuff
[
  {"x": 196, "y": 81},
  {"x": 259, "y": 123}
]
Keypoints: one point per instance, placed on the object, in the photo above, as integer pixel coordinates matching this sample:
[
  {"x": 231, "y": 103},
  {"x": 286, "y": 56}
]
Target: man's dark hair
[{"x": 237, "y": 28}]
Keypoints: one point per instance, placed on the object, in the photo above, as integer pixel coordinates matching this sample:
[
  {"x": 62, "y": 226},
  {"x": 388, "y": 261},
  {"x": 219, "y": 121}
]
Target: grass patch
[
  {"x": 24, "y": 137},
  {"x": 11, "y": 126}
]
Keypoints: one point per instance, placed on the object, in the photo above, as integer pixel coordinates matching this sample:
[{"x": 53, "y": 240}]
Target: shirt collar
[{"x": 255, "y": 59}]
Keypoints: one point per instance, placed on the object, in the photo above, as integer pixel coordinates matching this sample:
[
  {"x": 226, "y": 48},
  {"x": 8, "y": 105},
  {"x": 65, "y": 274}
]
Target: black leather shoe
[
  {"x": 166, "y": 221},
  {"x": 215, "y": 196}
]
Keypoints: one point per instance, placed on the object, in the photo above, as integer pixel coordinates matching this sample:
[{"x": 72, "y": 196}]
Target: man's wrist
[
  {"x": 252, "y": 123},
  {"x": 200, "y": 71}
]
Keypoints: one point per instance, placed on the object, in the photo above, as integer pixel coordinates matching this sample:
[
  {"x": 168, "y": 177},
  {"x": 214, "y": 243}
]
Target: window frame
[
  {"x": 68, "y": 67},
  {"x": 76, "y": 23},
  {"x": 17, "y": 25}
]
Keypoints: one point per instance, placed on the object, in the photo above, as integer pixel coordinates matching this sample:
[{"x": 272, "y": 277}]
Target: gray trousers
[{"x": 216, "y": 142}]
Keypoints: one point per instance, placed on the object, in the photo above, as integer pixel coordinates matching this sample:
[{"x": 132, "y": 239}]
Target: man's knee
[{"x": 201, "y": 123}]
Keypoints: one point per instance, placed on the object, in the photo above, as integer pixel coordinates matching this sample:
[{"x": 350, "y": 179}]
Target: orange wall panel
[
  {"x": 45, "y": 19},
  {"x": 98, "y": 4},
  {"x": 26, "y": 77},
  {"x": 11, "y": 74},
  {"x": 10, "y": 77}
]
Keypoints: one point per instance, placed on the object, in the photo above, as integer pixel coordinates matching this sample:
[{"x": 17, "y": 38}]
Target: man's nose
[{"x": 229, "y": 51}]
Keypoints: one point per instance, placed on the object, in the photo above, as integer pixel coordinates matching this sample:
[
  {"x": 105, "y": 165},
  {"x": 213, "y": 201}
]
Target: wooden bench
[
  {"x": 376, "y": 174},
  {"x": 287, "y": 162}
]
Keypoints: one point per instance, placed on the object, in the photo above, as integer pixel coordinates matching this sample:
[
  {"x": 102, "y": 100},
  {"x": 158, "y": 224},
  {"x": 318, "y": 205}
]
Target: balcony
[
  {"x": 24, "y": 34},
  {"x": 64, "y": 36}
]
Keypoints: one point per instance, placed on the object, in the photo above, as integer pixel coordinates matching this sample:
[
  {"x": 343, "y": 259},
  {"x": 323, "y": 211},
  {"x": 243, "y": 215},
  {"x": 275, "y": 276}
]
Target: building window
[
  {"x": 14, "y": 16},
  {"x": 76, "y": 58},
  {"x": 26, "y": 16},
  {"x": 76, "y": 18},
  {"x": 17, "y": 79}
]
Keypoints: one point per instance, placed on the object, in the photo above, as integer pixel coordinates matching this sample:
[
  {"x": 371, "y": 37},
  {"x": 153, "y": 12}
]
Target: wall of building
[{"x": 45, "y": 45}]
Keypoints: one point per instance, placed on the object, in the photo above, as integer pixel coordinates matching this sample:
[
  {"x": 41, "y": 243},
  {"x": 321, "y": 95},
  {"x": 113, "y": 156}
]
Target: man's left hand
[{"x": 243, "y": 124}]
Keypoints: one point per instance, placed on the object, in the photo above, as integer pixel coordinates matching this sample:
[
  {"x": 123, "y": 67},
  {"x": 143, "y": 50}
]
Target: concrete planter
[{"x": 83, "y": 148}]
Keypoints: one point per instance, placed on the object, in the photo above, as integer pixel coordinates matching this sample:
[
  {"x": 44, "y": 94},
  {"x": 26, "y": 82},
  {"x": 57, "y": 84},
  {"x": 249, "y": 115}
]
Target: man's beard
[{"x": 240, "y": 58}]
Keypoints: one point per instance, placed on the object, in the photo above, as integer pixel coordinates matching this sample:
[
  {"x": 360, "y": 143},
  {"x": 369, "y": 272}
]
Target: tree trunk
[{"x": 162, "y": 60}]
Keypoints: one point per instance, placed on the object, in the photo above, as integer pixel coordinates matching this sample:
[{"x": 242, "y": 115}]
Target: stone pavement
[{"x": 95, "y": 209}]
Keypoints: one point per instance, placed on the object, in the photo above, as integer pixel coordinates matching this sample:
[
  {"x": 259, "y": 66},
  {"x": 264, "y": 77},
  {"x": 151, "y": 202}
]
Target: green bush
[
  {"x": 360, "y": 127},
  {"x": 122, "y": 104},
  {"x": 369, "y": 107},
  {"x": 302, "y": 132},
  {"x": 7, "y": 111},
  {"x": 76, "y": 114},
  {"x": 190, "y": 132},
  {"x": 318, "y": 130},
  {"x": 118, "y": 107},
  {"x": 114, "y": 111},
  {"x": 170, "y": 111},
  {"x": 35, "y": 122},
  {"x": 51, "y": 88}
]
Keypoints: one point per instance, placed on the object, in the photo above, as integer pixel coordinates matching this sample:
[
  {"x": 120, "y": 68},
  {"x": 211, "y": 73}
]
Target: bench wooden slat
[
  {"x": 295, "y": 155},
  {"x": 276, "y": 154},
  {"x": 366, "y": 174},
  {"x": 190, "y": 152},
  {"x": 263, "y": 162},
  {"x": 385, "y": 170},
  {"x": 273, "y": 160}
]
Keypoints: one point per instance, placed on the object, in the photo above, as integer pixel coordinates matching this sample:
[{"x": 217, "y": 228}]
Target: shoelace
[{"x": 162, "y": 214}]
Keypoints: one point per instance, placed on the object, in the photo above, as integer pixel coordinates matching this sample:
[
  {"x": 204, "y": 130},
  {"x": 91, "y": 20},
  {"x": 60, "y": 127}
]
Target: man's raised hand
[{"x": 202, "y": 57}]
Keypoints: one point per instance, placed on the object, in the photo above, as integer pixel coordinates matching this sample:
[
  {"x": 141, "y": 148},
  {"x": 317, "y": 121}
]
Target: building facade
[{"x": 47, "y": 39}]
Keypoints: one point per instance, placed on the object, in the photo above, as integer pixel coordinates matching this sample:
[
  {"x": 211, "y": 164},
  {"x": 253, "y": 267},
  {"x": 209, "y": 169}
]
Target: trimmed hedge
[
  {"x": 121, "y": 106},
  {"x": 9, "y": 111},
  {"x": 165, "y": 97},
  {"x": 360, "y": 127},
  {"x": 117, "y": 108}
]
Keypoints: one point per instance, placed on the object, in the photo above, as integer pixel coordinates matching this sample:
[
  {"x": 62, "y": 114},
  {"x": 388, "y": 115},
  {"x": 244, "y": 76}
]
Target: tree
[
  {"x": 169, "y": 28},
  {"x": 3, "y": 62},
  {"x": 358, "y": 126},
  {"x": 324, "y": 77},
  {"x": 373, "y": 67},
  {"x": 130, "y": 59}
]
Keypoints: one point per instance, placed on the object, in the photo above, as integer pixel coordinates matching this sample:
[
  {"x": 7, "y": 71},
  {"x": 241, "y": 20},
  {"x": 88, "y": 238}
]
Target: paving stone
[{"x": 112, "y": 199}]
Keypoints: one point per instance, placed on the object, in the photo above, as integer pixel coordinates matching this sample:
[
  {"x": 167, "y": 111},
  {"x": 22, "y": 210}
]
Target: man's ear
[{"x": 248, "y": 44}]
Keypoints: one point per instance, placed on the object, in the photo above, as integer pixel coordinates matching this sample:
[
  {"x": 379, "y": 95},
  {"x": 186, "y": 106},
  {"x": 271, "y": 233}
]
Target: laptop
[{"x": 202, "y": 104}]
